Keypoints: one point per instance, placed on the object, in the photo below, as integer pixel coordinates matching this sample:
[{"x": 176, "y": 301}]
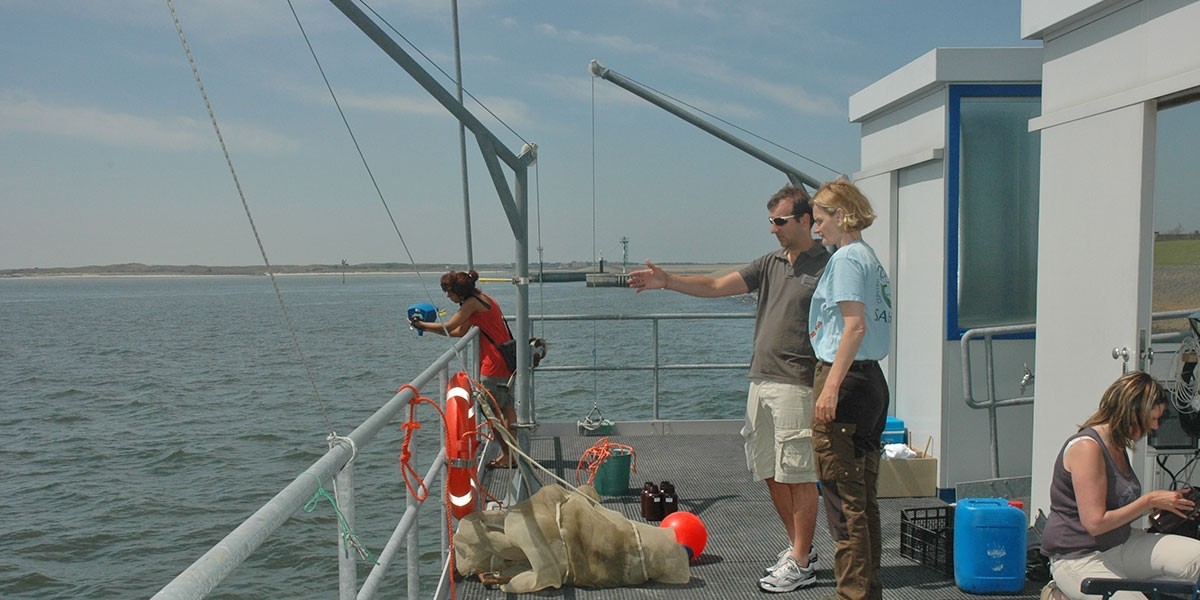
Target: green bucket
[{"x": 612, "y": 476}]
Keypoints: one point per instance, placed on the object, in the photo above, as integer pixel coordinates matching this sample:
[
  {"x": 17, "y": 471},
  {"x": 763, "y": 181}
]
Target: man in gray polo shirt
[{"x": 779, "y": 407}]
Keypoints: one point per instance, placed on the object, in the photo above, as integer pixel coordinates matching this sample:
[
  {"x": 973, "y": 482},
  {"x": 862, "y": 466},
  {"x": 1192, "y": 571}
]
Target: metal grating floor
[{"x": 744, "y": 533}]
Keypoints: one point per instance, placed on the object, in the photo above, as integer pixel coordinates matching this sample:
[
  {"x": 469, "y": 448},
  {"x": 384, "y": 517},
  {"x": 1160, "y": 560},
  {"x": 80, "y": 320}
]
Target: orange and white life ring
[{"x": 461, "y": 446}]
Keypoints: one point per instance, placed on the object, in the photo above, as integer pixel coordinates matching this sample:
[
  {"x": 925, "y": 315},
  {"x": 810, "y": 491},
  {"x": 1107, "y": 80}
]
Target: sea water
[{"x": 144, "y": 418}]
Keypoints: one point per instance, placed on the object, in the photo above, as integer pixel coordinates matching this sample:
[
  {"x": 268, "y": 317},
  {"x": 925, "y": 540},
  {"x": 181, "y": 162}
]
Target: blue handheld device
[{"x": 424, "y": 311}]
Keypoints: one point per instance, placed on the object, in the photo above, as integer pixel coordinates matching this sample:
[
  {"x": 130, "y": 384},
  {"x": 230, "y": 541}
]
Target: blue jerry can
[{"x": 989, "y": 546}]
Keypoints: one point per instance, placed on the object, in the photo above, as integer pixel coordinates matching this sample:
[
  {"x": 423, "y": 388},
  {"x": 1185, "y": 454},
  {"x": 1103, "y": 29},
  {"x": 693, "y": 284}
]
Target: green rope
[{"x": 347, "y": 532}]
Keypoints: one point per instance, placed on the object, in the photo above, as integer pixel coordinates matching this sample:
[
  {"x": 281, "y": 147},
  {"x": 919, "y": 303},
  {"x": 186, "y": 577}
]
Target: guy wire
[
  {"x": 371, "y": 174},
  {"x": 361, "y": 156}
]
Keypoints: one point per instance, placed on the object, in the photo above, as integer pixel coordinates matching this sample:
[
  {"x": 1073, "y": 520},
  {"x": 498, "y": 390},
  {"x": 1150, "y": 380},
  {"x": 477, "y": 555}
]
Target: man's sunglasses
[{"x": 780, "y": 221}]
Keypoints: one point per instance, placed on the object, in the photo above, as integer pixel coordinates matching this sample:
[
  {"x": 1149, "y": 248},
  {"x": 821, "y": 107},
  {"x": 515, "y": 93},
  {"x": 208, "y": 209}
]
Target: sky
[{"x": 108, "y": 154}]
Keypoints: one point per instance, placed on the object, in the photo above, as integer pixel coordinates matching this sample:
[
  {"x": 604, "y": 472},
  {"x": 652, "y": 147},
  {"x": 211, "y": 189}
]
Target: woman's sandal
[
  {"x": 497, "y": 464},
  {"x": 1051, "y": 592}
]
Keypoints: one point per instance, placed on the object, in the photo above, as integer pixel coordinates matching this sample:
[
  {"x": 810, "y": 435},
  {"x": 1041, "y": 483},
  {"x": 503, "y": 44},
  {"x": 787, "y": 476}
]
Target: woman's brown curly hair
[
  {"x": 461, "y": 283},
  {"x": 1125, "y": 407}
]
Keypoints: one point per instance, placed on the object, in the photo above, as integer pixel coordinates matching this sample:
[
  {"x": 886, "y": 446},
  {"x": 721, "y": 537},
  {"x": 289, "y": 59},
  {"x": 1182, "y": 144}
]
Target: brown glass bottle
[
  {"x": 651, "y": 502},
  {"x": 670, "y": 502}
]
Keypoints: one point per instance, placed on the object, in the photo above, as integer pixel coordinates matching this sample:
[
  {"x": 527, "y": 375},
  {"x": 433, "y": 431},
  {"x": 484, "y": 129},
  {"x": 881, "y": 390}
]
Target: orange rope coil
[{"x": 596, "y": 455}]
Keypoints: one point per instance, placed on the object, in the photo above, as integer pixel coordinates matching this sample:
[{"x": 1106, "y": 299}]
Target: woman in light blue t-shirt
[{"x": 850, "y": 325}]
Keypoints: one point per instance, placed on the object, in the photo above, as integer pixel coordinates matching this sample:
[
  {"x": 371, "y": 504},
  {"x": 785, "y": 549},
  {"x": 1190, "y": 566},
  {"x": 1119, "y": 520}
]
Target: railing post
[
  {"x": 531, "y": 414},
  {"x": 412, "y": 553},
  {"x": 994, "y": 427},
  {"x": 654, "y": 341},
  {"x": 343, "y": 489},
  {"x": 443, "y": 381}
]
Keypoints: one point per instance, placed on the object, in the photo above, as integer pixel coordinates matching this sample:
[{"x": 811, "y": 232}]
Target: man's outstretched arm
[{"x": 655, "y": 278}]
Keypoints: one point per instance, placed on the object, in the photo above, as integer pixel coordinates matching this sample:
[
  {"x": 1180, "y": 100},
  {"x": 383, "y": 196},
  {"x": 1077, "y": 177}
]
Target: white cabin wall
[
  {"x": 1088, "y": 296},
  {"x": 915, "y": 129},
  {"x": 921, "y": 292},
  {"x": 1140, "y": 45},
  {"x": 1105, "y": 66},
  {"x": 1038, "y": 16}
]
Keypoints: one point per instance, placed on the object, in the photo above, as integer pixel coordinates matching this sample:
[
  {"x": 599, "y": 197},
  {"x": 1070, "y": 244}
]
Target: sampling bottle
[
  {"x": 651, "y": 502},
  {"x": 670, "y": 502}
]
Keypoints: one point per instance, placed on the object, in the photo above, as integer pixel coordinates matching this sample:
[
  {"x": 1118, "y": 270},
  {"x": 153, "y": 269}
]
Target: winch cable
[
  {"x": 366, "y": 164},
  {"x": 595, "y": 300},
  {"x": 291, "y": 325},
  {"x": 362, "y": 156},
  {"x": 502, "y": 122}
]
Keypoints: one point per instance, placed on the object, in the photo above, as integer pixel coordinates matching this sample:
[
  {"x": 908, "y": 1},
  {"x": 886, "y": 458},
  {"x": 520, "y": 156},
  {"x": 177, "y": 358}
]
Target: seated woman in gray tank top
[{"x": 1095, "y": 496}]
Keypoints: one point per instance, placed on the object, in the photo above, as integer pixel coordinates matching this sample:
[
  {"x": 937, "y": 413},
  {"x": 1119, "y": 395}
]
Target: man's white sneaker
[
  {"x": 783, "y": 555},
  {"x": 788, "y": 577}
]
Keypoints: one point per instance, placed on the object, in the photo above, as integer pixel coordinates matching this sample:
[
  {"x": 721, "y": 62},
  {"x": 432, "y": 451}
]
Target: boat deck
[{"x": 707, "y": 466}]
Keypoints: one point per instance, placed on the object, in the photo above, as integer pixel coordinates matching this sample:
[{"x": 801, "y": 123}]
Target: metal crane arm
[{"x": 796, "y": 176}]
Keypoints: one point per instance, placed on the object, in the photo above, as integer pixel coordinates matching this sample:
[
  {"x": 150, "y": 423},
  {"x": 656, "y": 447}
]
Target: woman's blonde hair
[
  {"x": 1125, "y": 407},
  {"x": 842, "y": 194}
]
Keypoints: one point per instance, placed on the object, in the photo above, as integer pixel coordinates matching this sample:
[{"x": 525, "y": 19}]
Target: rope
[
  {"x": 641, "y": 550},
  {"x": 410, "y": 426},
  {"x": 348, "y": 536},
  {"x": 422, "y": 492},
  {"x": 493, "y": 417},
  {"x": 514, "y": 448},
  {"x": 333, "y": 439},
  {"x": 599, "y": 453},
  {"x": 246, "y": 207}
]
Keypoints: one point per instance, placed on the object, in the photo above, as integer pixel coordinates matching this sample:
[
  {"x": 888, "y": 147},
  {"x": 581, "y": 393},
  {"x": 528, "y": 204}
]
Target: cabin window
[
  {"x": 1176, "y": 211},
  {"x": 992, "y": 180}
]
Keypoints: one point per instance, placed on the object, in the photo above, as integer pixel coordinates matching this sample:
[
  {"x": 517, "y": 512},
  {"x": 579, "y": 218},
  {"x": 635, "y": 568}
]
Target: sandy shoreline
[{"x": 36, "y": 274}]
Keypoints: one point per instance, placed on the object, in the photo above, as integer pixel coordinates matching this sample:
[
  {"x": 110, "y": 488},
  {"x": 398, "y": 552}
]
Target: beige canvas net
[{"x": 558, "y": 537}]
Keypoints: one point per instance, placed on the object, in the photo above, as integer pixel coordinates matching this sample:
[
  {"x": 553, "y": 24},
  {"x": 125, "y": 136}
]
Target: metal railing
[
  {"x": 656, "y": 365},
  {"x": 199, "y": 579},
  {"x": 987, "y": 335}
]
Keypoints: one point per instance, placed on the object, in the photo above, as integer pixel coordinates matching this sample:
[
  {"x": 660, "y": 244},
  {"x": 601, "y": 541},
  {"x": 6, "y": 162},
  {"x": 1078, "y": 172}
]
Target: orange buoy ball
[{"x": 689, "y": 531}]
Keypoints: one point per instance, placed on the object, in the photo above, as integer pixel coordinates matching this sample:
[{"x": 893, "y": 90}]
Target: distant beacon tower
[{"x": 624, "y": 252}]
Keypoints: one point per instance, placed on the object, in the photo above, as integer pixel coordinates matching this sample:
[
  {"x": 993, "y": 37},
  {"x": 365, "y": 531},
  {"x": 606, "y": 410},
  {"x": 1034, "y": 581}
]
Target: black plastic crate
[{"x": 927, "y": 536}]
